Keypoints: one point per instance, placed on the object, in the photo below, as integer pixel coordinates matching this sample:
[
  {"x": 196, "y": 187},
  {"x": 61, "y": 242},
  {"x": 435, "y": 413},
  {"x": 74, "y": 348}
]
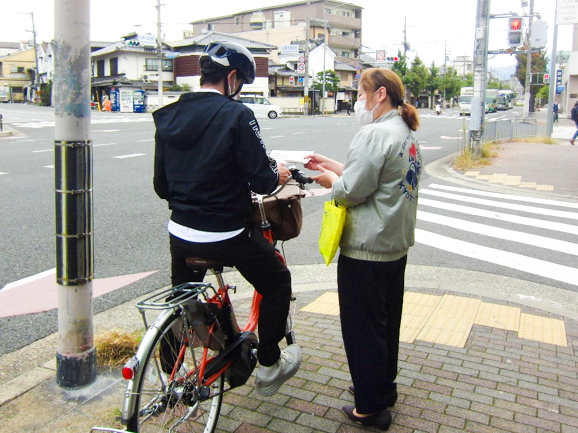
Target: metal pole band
[{"x": 74, "y": 221}]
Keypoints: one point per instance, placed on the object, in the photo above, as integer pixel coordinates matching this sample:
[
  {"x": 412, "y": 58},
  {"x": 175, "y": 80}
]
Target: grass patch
[
  {"x": 539, "y": 139},
  {"x": 115, "y": 347},
  {"x": 468, "y": 159}
]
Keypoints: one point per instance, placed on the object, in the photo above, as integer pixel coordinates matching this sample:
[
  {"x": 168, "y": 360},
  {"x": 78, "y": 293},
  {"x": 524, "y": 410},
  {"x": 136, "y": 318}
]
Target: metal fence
[{"x": 508, "y": 129}]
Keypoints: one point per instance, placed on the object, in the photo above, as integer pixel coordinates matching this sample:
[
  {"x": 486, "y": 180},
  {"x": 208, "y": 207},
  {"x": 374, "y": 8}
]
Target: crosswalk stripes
[
  {"x": 105, "y": 120},
  {"x": 533, "y": 235}
]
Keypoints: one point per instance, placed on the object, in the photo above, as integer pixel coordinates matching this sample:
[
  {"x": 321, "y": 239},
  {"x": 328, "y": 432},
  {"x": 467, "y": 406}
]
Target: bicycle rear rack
[{"x": 175, "y": 296}]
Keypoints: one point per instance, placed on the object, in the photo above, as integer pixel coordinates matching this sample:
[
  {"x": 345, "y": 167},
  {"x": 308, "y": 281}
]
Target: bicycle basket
[{"x": 283, "y": 212}]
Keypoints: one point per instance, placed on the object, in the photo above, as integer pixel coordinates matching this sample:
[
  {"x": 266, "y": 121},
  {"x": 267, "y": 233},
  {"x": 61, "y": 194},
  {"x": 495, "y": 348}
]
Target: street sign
[
  {"x": 358, "y": 67},
  {"x": 301, "y": 59},
  {"x": 300, "y": 80},
  {"x": 380, "y": 56},
  {"x": 567, "y": 12},
  {"x": 301, "y": 68},
  {"x": 558, "y": 77}
]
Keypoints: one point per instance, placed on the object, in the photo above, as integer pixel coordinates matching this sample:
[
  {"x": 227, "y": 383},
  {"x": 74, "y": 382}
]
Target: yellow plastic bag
[{"x": 331, "y": 229}]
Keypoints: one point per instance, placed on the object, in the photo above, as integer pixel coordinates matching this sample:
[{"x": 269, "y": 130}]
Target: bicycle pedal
[
  {"x": 204, "y": 392},
  {"x": 233, "y": 288}
]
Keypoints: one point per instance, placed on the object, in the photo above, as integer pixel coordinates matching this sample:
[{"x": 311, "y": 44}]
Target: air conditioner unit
[{"x": 145, "y": 78}]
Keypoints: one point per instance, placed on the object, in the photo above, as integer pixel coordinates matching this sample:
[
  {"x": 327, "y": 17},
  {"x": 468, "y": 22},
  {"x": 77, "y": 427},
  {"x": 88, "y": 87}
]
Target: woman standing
[{"x": 378, "y": 184}]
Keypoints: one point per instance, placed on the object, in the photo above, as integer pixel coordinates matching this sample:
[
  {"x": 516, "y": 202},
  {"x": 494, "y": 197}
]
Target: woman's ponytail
[{"x": 409, "y": 116}]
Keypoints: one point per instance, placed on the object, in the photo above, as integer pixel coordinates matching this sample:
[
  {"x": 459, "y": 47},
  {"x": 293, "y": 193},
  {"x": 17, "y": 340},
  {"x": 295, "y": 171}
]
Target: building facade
[{"x": 17, "y": 73}]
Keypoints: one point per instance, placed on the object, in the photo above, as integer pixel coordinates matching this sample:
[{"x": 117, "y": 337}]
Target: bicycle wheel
[{"x": 180, "y": 404}]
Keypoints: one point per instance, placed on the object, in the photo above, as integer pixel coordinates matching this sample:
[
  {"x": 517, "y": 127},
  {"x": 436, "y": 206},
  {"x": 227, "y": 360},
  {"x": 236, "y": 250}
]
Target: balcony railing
[{"x": 344, "y": 41}]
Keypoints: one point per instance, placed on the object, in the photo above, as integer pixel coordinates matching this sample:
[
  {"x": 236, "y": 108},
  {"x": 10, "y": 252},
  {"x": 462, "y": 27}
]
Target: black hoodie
[{"x": 208, "y": 157}]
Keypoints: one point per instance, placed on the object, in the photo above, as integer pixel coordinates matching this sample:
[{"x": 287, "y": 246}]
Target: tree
[
  {"x": 331, "y": 81},
  {"x": 451, "y": 84},
  {"x": 400, "y": 67},
  {"x": 539, "y": 62},
  {"x": 433, "y": 81},
  {"x": 417, "y": 77}
]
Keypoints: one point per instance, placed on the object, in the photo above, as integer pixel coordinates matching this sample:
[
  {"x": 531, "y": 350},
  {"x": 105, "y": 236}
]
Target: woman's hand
[
  {"x": 326, "y": 179},
  {"x": 316, "y": 162}
]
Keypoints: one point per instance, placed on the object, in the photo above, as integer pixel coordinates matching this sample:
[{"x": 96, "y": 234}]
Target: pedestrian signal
[
  {"x": 546, "y": 78},
  {"x": 514, "y": 32}
]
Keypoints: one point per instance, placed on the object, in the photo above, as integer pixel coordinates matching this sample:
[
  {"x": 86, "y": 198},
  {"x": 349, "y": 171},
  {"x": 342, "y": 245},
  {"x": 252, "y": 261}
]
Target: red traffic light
[
  {"x": 515, "y": 24},
  {"x": 395, "y": 58}
]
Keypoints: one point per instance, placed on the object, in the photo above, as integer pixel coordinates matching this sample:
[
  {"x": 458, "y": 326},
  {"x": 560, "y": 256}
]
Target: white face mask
[
  {"x": 232, "y": 89},
  {"x": 363, "y": 116}
]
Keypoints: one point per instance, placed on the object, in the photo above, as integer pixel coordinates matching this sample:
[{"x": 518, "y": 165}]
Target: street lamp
[{"x": 324, "y": 51}]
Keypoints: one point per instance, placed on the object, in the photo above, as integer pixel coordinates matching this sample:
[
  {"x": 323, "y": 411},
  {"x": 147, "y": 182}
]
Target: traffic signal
[
  {"x": 132, "y": 43},
  {"x": 514, "y": 32},
  {"x": 546, "y": 79},
  {"x": 392, "y": 59}
]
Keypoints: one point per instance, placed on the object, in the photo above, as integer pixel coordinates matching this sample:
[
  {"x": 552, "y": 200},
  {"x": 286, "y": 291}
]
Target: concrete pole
[
  {"x": 160, "y": 54},
  {"x": 36, "y": 75},
  {"x": 550, "y": 124},
  {"x": 76, "y": 355},
  {"x": 324, "y": 55},
  {"x": 306, "y": 78},
  {"x": 477, "y": 115},
  {"x": 527, "y": 92}
]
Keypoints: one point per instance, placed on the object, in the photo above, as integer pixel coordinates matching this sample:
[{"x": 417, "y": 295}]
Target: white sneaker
[{"x": 270, "y": 379}]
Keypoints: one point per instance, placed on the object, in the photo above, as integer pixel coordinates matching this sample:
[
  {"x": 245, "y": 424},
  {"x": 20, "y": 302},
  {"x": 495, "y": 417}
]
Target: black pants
[
  {"x": 370, "y": 301},
  {"x": 254, "y": 257}
]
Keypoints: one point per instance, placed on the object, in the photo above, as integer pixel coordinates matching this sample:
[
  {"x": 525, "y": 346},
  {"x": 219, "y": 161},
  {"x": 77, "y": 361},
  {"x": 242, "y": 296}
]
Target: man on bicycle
[{"x": 209, "y": 156}]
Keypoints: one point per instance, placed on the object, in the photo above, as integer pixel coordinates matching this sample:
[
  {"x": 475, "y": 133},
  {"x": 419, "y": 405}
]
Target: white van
[{"x": 261, "y": 106}]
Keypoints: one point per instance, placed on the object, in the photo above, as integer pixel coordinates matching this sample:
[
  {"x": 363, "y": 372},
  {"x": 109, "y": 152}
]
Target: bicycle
[{"x": 177, "y": 379}]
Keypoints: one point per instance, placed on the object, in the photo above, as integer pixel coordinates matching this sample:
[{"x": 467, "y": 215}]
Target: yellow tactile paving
[
  {"x": 528, "y": 185},
  {"x": 328, "y": 303},
  {"x": 451, "y": 321},
  {"x": 471, "y": 173},
  {"x": 513, "y": 180},
  {"x": 498, "y": 316},
  {"x": 417, "y": 308},
  {"x": 545, "y": 187},
  {"x": 542, "y": 329},
  {"x": 448, "y": 319}
]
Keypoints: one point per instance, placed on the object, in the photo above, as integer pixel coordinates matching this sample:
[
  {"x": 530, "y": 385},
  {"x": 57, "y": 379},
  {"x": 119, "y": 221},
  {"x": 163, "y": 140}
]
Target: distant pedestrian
[
  {"x": 555, "y": 111},
  {"x": 574, "y": 115},
  {"x": 107, "y": 105}
]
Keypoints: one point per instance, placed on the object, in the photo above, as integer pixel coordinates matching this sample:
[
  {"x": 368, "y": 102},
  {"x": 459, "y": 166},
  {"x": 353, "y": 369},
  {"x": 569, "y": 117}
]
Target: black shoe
[
  {"x": 381, "y": 420},
  {"x": 390, "y": 399}
]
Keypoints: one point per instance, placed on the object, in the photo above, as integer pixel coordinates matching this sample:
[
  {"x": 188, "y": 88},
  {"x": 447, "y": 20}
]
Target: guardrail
[{"x": 508, "y": 129}]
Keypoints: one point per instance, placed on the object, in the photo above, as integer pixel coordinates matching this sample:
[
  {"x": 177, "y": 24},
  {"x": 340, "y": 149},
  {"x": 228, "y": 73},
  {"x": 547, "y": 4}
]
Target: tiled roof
[
  {"x": 212, "y": 36},
  {"x": 121, "y": 46}
]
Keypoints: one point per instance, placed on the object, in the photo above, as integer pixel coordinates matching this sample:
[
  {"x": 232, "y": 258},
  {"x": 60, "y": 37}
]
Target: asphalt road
[{"x": 130, "y": 220}]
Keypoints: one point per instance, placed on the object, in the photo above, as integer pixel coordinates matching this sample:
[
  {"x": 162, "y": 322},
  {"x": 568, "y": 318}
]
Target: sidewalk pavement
[{"x": 479, "y": 352}]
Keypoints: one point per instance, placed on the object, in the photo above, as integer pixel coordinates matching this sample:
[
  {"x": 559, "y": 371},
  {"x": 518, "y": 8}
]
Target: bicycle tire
[{"x": 160, "y": 403}]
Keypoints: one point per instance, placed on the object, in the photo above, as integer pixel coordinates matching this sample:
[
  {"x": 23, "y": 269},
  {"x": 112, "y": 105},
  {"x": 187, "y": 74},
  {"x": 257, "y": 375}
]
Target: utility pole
[
  {"x": 76, "y": 354},
  {"x": 551, "y": 96},
  {"x": 527, "y": 94},
  {"x": 306, "y": 78},
  {"x": 405, "y": 37},
  {"x": 477, "y": 115},
  {"x": 35, "y": 53},
  {"x": 160, "y": 54},
  {"x": 445, "y": 71}
]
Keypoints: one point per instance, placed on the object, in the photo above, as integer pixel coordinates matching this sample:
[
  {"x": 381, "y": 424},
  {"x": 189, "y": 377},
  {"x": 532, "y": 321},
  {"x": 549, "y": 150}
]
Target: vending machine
[{"x": 139, "y": 101}]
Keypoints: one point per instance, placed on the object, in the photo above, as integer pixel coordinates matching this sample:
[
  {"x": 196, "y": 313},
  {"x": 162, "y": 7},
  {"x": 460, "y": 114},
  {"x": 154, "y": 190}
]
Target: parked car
[
  {"x": 261, "y": 106},
  {"x": 519, "y": 103}
]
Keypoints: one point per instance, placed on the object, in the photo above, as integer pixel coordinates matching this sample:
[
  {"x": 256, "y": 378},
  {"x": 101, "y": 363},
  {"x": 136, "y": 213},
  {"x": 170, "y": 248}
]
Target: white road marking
[
  {"x": 511, "y": 206},
  {"x": 445, "y": 137},
  {"x": 500, "y": 233},
  {"x": 41, "y": 151},
  {"x": 519, "y": 262},
  {"x": 144, "y": 141},
  {"x": 278, "y": 136},
  {"x": 132, "y": 155},
  {"x": 532, "y": 222},
  {"x": 1, "y": 173},
  {"x": 29, "y": 279},
  {"x": 429, "y": 147},
  {"x": 103, "y": 144},
  {"x": 105, "y": 130},
  {"x": 48, "y": 166},
  {"x": 507, "y": 196}
]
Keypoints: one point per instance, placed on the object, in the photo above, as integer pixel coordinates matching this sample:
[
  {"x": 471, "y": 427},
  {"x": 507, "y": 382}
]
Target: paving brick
[
  {"x": 421, "y": 347},
  {"x": 328, "y": 390},
  {"x": 428, "y": 386},
  {"x": 440, "y": 373},
  {"x": 460, "y": 370},
  {"x": 333, "y": 373},
  {"x": 423, "y": 361},
  {"x": 282, "y": 426},
  {"x": 407, "y": 409},
  {"x": 250, "y": 416},
  {"x": 428, "y": 404},
  {"x": 456, "y": 384},
  {"x": 566, "y": 416},
  {"x": 314, "y": 376},
  {"x": 409, "y": 366},
  {"x": 482, "y": 367},
  {"x": 516, "y": 407},
  {"x": 511, "y": 426},
  {"x": 464, "y": 378},
  {"x": 538, "y": 422},
  {"x": 519, "y": 376},
  {"x": 562, "y": 370},
  {"x": 537, "y": 387},
  {"x": 558, "y": 361},
  {"x": 410, "y": 391},
  {"x": 472, "y": 396},
  {"x": 443, "y": 419},
  {"x": 318, "y": 423},
  {"x": 450, "y": 400},
  {"x": 471, "y": 415},
  {"x": 475, "y": 427},
  {"x": 568, "y": 395},
  {"x": 336, "y": 403},
  {"x": 517, "y": 390},
  {"x": 416, "y": 375},
  {"x": 416, "y": 423},
  {"x": 502, "y": 395},
  {"x": 538, "y": 373},
  {"x": 296, "y": 392},
  {"x": 505, "y": 364},
  {"x": 324, "y": 362},
  {"x": 498, "y": 378},
  {"x": 443, "y": 359},
  {"x": 248, "y": 428},
  {"x": 306, "y": 407}
]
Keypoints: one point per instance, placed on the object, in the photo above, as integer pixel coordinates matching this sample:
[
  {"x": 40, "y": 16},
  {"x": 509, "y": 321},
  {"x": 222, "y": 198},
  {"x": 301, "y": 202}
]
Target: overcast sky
[{"x": 431, "y": 25}]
